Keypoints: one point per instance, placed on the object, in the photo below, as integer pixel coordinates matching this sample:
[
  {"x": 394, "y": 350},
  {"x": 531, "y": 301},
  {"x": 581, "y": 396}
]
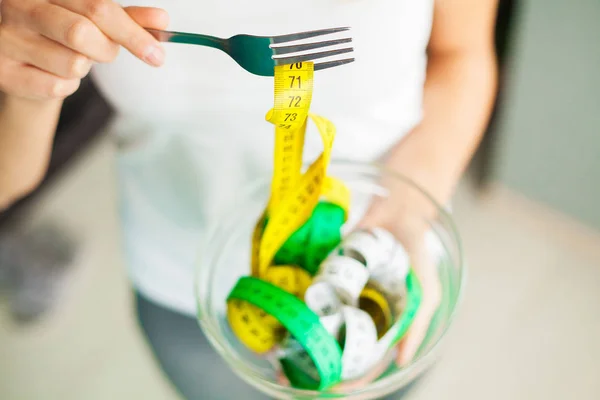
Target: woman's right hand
[{"x": 48, "y": 46}]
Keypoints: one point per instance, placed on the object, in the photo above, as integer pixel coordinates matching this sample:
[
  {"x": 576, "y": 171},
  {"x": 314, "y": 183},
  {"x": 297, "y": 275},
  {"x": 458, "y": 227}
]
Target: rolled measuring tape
[
  {"x": 322, "y": 298},
  {"x": 379, "y": 308},
  {"x": 293, "y": 251},
  {"x": 258, "y": 330},
  {"x": 393, "y": 292},
  {"x": 294, "y": 197},
  {"x": 398, "y": 330},
  {"x": 360, "y": 339},
  {"x": 326, "y": 235},
  {"x": 373, "y": 247},
  {"x": 369, "y": 330},
  {"x": 357, "y": 337},
  {"x": 391, "y": 278},
  {"x": 265, "y": 309},
  {"x": 292, "y": 279},
  {"x": 347, "y": 275},
  {"x": 302, "y": 323},
  {"x": 287, "y": 212},
  {"x": 383, "y": 255},
  {"x": 290, "y": 347}
]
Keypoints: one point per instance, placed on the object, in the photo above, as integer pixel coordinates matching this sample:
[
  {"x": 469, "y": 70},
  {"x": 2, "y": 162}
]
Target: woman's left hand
[{"x": 404, "y": 213}]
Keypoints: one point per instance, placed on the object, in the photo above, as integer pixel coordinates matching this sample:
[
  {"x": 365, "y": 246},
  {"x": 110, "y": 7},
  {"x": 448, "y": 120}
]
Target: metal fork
[{"x": 259, "y": 54}]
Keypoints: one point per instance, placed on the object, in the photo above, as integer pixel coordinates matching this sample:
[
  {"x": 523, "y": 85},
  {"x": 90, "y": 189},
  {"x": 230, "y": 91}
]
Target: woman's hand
[
  {"x": 404, "y": 213},
  {"x": 48, "y": 46}
]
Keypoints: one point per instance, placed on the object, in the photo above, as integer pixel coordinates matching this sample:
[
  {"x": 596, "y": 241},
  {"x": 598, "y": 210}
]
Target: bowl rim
[{"x": 418, "y": 364}]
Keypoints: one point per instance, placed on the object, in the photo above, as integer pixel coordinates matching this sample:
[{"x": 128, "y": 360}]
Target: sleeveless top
[{"x": 191, "y": 133}]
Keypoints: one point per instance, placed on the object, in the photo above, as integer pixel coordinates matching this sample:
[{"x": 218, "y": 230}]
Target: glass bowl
[{"x": 225, "y": 257}]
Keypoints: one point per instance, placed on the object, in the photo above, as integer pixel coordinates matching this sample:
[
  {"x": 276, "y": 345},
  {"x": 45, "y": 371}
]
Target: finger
[
  {"x": 73, "y": 31},
  {"x": 409, "y": 346},
  {"x": 426, "y": 272},
  {"x": 112, "y": 19},
  {"x": 38, "y": 51},
  {"x": 148, "y": 17},
  {"x": 31, "y": 82}
]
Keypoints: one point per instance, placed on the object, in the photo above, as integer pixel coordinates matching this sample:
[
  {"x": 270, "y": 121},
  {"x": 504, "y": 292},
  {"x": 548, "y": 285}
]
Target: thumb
[{"x": 149, "y": 17}]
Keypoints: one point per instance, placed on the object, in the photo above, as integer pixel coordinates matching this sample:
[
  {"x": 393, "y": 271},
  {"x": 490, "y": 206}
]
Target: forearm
[
  {"x": 26, "y": 134},
  {"x": 458, "y": 99}
]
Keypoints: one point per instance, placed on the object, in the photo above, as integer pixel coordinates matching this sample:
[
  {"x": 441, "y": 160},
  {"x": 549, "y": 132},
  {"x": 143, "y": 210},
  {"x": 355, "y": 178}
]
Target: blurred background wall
[{"x": 548, "y": 127}]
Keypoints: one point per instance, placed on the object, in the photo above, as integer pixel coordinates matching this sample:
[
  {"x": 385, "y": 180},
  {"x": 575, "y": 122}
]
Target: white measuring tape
[
  {"x": 373, "y": 247},
  {"x": 349, "y": 304},
  {"x": 347, "y": 275},
  {"x": 368, "y": 268},
  {"x": 322, "y": 298},
  {"x": 359, "y": 340}
]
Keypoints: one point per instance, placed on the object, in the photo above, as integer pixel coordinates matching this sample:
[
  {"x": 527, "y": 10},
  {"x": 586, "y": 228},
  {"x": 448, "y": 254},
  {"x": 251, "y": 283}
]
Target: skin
[
  {"x": 458, "y": 99},
  {"x": 46, "y": 47}
]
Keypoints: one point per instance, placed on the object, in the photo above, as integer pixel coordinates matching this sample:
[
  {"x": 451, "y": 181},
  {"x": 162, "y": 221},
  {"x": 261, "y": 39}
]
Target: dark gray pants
[{"x": 188, "y": 359}]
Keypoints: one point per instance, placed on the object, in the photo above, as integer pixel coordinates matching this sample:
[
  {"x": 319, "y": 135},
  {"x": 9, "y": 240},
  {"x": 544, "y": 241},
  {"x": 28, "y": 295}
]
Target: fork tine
[
  {"x": 310, "y": 57},
  {"x": 308, "y": 46},
  {"x": 305, "y": 35},
  {"x": 331, "y": 64}
]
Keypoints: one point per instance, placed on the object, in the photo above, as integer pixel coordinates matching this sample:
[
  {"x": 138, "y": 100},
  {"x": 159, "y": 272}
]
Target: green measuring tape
[
  {"x": 303, "y": 378},
  {"x": 317, "y": 363},
  {"x": 302, "y": 323},
  {"x": 314, "y": 240}
]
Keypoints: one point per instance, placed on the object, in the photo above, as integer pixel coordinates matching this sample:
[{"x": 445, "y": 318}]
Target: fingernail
[
  {"x": 81, "y": 66},
  {"x": 155, "y": 55}
]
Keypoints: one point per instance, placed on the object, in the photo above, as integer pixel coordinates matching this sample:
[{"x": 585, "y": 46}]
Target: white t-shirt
[{"x": 193, "y": 132}]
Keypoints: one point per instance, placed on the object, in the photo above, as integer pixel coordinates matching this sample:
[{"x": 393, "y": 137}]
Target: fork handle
[{"x": 188, "y": 38}]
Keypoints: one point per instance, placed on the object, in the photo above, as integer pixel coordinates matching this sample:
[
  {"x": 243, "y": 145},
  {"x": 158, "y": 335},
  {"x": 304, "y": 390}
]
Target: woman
[{"x": 191, "y": 128}]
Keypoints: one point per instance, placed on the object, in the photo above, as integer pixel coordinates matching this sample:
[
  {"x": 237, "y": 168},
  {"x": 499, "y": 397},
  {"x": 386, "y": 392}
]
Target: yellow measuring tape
[
  {"x": 378, "y": 307},
  {"x": 299, "y": 228},
  {"x": 257, "y": 329},
  {"x": 294, "y": 196}
]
